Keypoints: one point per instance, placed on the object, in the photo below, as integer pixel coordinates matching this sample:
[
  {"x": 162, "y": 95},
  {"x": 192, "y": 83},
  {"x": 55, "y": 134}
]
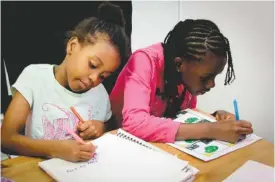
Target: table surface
[{"x": 25, "y": 169}]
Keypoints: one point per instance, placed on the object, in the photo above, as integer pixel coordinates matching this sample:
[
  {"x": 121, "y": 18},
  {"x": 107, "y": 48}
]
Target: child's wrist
[
  {"x": 213, "y": 131},
  {"x": 54, "y": 150}
]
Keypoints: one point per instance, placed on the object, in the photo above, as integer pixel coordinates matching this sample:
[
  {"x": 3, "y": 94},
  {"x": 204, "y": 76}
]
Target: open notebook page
[{"x": 120, "y": 160}]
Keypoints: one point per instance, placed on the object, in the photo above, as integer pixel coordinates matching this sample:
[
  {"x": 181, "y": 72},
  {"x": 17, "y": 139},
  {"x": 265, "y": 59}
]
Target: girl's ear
[
  {"x": 72, "y": 45},
  {"x": 180, "y": 66}
]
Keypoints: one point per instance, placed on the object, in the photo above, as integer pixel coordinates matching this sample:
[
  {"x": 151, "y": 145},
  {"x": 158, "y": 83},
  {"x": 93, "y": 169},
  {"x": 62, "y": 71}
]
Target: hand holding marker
[{"x": 237, "y": 115}]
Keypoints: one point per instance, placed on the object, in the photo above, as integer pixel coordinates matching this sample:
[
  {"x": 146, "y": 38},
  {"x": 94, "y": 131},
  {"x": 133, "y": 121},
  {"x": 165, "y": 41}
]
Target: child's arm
[
  {"x": 228, "y": 130},
  {"x": 14, "y": 123},
  {"x": 137, "y": 118},
  {"x": 138, "y": 121},
  {"x": 15, "y": 143}
]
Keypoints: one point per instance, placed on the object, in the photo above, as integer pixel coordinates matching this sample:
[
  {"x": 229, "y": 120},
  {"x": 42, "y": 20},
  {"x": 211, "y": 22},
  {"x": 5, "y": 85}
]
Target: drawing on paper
[
  {"x": 211, "y": 149},
  {"x": 193, "y": 147},
  {"x": 191, "y": 120},
  {"x": 91, "y": 161}
]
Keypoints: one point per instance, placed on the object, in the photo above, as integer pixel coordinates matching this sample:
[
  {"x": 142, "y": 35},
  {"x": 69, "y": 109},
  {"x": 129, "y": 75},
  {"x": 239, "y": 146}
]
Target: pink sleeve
[
  {"x": 136, "y": 109},
  {"x": 193, "y": 103}
]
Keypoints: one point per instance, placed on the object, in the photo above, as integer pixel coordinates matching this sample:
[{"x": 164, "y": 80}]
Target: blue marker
[
  {"x": 236, "y": 109},
  {"x": 237, "y": 115}
]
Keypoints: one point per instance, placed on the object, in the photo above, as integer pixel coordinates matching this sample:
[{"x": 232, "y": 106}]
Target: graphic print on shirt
[{"x": 56, "y": 119}]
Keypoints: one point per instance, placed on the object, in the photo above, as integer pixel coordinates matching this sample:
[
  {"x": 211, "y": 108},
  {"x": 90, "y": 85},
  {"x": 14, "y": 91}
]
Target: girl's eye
[
  {"x": 205, "y": 79},
  {"x": 92, "y": 65},
  {"x": 102, "y": 77}
]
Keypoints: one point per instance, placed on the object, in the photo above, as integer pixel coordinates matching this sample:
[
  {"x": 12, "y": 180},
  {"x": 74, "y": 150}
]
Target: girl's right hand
[
  {"x": 74, "y": 151},
  {"x": 231, "y": 130}
]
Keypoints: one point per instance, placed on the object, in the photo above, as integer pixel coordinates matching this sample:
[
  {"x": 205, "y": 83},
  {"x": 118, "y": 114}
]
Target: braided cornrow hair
[{"x": 191, "y": 40}]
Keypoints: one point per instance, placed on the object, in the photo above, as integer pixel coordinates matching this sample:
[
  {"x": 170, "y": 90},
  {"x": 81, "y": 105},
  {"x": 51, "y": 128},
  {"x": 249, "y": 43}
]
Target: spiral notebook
[
  {"x": 122, "y": 157},
  {"x": 125, "y": 135}
]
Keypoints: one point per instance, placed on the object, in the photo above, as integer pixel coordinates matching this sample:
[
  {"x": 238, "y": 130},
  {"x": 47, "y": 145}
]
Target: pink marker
[
  {"x": 76, "y": 137},
  {"x": 77, "y": 115}
]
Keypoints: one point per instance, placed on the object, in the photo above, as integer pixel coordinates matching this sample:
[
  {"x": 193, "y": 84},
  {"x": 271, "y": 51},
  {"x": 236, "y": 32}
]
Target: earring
[{"x": 178, "y": 69}]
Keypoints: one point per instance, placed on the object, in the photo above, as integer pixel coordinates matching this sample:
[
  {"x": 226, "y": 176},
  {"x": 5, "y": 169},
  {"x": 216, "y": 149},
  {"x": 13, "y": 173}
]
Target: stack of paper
[{"x": 252, "y": 171}]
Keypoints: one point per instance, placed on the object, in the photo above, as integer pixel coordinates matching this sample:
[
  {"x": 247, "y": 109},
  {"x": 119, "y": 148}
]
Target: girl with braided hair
[{"x": 165, "y": 78}]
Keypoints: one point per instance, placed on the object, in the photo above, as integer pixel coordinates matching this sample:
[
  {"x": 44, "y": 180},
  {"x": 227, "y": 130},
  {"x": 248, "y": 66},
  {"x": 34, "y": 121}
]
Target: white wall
[
  {"x": 151, "y": 21},
  {"x": 249, "y": 26}
]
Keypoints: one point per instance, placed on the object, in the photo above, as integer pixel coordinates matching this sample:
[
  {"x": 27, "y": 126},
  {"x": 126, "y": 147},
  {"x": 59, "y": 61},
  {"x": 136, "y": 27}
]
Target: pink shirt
[{"x": 134, "y": 100}]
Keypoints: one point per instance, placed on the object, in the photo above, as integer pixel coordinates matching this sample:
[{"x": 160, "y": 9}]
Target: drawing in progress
[{"x": 206, "y": 149}]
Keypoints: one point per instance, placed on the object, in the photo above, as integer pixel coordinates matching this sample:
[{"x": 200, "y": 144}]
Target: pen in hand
[
  {"x": 76, "y": 137},
  {"x": 237, "y": 115}
]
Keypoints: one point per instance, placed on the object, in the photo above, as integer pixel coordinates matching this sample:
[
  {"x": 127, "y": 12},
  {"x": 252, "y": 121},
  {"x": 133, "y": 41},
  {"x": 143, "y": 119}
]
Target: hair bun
[{"x": 111, "y": 13}]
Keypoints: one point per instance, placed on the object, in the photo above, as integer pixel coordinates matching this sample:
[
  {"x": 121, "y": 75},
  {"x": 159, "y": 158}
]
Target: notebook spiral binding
[
  {"x": 131, "y": 139},
  {"x": 125, "y": 135}
]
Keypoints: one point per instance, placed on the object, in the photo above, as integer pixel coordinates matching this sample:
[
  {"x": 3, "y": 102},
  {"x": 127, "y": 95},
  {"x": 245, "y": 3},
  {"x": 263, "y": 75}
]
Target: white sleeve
[
  {"x": 24, "y": 84},
  {"x": 106, "y": 104},
  {"x": 108, "y": 110}
]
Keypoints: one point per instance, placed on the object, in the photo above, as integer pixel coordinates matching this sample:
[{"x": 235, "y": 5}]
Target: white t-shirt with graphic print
[{"x": 50, "y": 103}]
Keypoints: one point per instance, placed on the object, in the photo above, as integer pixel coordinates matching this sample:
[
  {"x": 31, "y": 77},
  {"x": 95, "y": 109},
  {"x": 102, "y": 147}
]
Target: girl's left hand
[
  {"x": 224, "y": 115},
  {"x": 90, "y": 129}
]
